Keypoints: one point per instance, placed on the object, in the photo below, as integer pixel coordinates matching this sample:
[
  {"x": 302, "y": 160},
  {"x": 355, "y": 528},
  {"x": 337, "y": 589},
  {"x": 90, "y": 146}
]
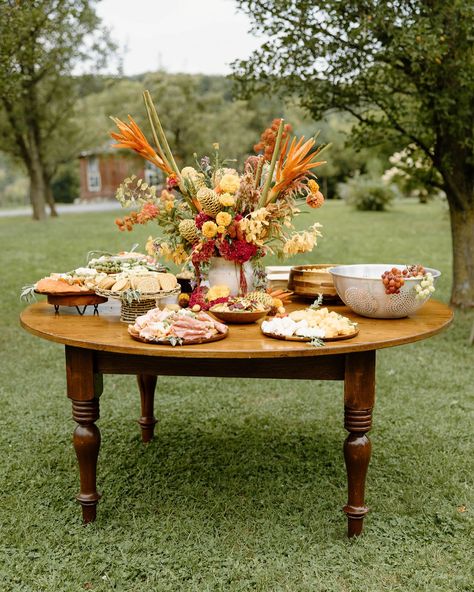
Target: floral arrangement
[{"x": 211, "y": 209}]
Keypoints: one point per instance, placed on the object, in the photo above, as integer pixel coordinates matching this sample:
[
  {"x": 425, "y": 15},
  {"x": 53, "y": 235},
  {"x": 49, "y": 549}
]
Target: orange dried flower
[
  {"x": 315, "y": 200},
  {"x": 294, "y": 165},
  {"x": 132, "y": 137},
  {"x": 268, "y": 138}
]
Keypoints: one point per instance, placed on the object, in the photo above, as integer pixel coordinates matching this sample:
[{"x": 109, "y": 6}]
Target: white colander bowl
[{"x": 360, "y": 287}]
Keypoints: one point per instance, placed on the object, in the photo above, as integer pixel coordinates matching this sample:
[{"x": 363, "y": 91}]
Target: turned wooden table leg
[
  {"x": 84, "y": 387},
  {"x": 359, "y": 397},
  {"x": 86, "y": 439},
  {"x": 147, "y": 421}
]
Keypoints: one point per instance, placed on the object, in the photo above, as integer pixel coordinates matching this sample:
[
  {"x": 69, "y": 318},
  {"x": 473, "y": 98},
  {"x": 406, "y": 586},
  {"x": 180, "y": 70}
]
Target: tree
[
  {"x": 42, "y": 43},
  {"x": 403, "y": 68},
  {"x": 196, "y": 111}
]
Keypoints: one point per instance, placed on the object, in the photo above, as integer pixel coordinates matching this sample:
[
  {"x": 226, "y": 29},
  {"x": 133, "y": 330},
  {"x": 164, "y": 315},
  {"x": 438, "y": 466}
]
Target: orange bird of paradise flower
[
  {"x": 131, "y": 136},
  {"x": 294, "y": 166}
]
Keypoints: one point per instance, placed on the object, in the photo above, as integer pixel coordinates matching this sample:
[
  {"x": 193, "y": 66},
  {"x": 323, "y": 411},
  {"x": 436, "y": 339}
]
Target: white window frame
[
  {"x": 152, "y": 174},
  {"x": 94, "y": 182}
]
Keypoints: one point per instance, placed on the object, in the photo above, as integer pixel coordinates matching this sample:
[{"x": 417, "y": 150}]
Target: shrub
[
  {"x": 367, "y": 193},
  {"x": 65, "y": 185}
]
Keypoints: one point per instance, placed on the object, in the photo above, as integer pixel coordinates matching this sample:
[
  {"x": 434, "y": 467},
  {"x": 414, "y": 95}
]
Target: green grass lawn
[{"x": 243, "y": 486}]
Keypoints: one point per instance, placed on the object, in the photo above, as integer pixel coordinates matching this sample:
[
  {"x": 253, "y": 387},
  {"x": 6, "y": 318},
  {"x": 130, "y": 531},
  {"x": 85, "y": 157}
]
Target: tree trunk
[
  {"x": 37, "y": 197},
  {"x": 49, "y": 195},
  {"x": 462, "y": 231},
  {"x": 36, "y": 174}
]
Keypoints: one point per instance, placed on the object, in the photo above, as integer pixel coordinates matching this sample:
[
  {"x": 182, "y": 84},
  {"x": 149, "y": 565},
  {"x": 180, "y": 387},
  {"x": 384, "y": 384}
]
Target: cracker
[
  {"x": 148, "y": 285},
  {"x": 134, "y": 281},
  {"x": 167, "y": 281},
  {"x": 106, "y": 283},
  {"x": 121, "y": 285}
]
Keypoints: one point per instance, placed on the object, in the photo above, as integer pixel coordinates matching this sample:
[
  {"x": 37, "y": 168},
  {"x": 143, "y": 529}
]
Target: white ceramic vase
[{"x": 223, "y": 272}]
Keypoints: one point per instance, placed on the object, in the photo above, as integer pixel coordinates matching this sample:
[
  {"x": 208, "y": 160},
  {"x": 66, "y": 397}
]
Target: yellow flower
[
  {"x": 302, "y": 242},
  {"x": 216, "y": 146},
  {"x": 313, "y": 186},
  {"x": 229, "y": 183},
  {"x": 150, "y": 246},
  {"x": 209, "y": 229},
  {"x": 166, "y": 196},
  {"x": 189, "y": 172},
  {"x": 216, "y": 292},
  {"x": 169, "y": 205},
  {"x": 226, "y": 200},
  {"x": 179, "y": 255},
  {"x": 255, "y": 226},
  {"x": 221, "y": 229},
  {"x": 223, "y": 219},
  {"x": 165, "y": 251}
]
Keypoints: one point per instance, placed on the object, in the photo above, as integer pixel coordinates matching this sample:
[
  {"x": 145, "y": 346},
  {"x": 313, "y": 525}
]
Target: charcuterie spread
[{"x": 179, "y": 327}]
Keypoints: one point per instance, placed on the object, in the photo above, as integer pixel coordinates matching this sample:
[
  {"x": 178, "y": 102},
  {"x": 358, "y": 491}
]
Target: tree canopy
[
  {"x": 42, "y": 43},
  {"x": 402, "y": 68}
]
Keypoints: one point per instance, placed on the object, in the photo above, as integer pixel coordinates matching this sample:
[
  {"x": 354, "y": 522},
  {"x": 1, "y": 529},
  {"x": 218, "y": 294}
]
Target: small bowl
[
  {"x": 239, "y": 317},
  {"x": 360, "y": 287}
]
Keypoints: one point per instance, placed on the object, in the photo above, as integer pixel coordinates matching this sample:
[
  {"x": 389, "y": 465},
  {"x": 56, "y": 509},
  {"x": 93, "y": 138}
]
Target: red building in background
[{"x": 103, "y": 169}]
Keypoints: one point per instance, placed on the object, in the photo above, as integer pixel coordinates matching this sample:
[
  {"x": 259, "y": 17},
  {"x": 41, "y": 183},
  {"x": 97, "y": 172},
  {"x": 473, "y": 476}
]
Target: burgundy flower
[
  {"x": 238, "y": 250},
  {"x": 200, "y": 219},
  {"x": 198, "y": 296},
  {"x": 203, "y": 251},
  {"x": 218, "y": 301}
]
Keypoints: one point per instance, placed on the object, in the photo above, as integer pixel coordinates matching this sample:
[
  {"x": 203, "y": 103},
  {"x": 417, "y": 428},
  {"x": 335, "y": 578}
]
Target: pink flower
[{"x": 172, "y": 182}]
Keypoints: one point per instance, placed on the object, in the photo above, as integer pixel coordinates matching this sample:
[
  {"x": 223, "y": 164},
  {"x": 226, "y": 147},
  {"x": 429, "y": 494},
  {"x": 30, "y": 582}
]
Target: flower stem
[
  {"x": 276, "y": 151},
  {"x": 258, "y": 172},
  {"x": 158, "y": 131}
]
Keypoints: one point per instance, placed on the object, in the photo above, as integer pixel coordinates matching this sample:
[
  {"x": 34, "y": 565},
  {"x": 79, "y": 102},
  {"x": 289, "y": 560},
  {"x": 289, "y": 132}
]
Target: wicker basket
[{"x": 129, "y": 311}]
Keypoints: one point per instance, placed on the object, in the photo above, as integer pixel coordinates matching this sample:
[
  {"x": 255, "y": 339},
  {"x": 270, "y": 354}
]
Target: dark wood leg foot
[
  {"x": 359, "y": 396},
  {"x": 147, "y": 421},
  {"x": 357, "y": 449},
  {"x": 86, "y": 441}
]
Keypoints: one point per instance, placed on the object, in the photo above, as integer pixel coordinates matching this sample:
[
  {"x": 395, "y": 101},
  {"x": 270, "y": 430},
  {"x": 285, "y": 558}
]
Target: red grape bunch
[{"x": 394, "y": 278}]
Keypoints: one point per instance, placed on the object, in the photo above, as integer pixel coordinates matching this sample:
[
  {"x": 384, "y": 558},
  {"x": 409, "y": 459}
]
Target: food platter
[
  {"x": 239, "y": 317},
  {"x": 66, "y": 294},
  {"x": 198, "y": 341},
  {"x": 307, "y": 339},
  {"x": 76, "y": 299}
]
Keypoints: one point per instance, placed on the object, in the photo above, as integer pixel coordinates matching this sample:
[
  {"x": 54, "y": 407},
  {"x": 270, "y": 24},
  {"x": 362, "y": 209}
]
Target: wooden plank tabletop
[{"x": 105, "y": 332}]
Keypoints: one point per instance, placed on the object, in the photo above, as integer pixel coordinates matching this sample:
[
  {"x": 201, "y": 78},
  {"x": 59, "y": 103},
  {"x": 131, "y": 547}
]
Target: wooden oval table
[{"x": 97, "y": 345}]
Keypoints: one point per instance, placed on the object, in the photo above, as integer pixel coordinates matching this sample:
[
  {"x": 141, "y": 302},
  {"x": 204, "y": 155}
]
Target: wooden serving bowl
[
  {"x": 239, "y": 317},
  {"x": 306, "y": 281}
]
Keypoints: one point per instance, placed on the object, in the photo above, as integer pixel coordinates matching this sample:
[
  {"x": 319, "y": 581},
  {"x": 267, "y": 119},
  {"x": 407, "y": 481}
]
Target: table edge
[{"x": 201, "y": 351}]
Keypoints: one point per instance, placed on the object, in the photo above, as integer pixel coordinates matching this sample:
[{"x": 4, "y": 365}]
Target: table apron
[{"x": 307, "y": 368}]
